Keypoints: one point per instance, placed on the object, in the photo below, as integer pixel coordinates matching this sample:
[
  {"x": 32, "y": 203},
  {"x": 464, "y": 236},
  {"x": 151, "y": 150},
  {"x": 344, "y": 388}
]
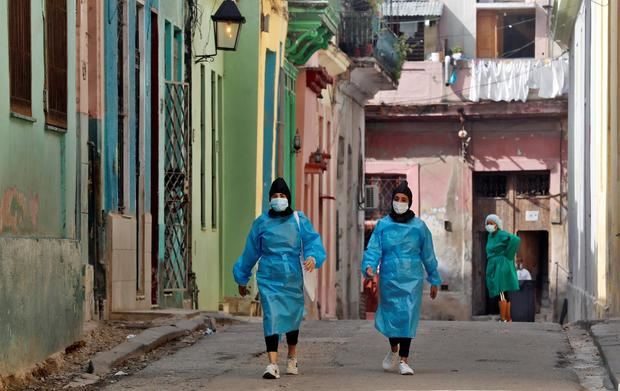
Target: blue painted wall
[
  {"x": 268, "y": 123},
  {"x": 112, "y": 156}
]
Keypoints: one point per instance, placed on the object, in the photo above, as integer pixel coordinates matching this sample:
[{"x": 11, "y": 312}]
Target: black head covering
[
  {"x": 403, "y": 188},
  {"x": 280, "y": 186}
]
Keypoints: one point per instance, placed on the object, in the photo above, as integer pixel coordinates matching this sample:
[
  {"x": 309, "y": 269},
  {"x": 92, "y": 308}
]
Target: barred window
[
  {"x": 491, "y": 185},
  {"x": 380, "y": 187},
  {"x": 533, "y": 184}
]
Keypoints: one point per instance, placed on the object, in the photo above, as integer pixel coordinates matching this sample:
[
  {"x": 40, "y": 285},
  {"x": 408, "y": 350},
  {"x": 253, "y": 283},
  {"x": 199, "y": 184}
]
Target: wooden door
[{"x": 487, "y": 34}]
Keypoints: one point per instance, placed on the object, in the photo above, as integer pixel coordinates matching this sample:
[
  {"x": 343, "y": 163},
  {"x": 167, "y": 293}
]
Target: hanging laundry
[{"x": 511, "y": 80}]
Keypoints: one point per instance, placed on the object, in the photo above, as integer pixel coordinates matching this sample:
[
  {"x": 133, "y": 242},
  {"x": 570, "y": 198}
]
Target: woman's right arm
[
  {"x": 242, "y": 270},
  {"x": 372, "y": 255}
]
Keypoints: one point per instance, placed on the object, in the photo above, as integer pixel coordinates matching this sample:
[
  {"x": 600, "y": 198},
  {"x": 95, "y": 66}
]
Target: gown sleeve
[
  {"x": 512, "y": 245},
  {"x": 313, "y": 245},
  {"x": 242, "y": 271},
  {"x": 373, "y": 252},
  {"x": 428, "y": 258}
]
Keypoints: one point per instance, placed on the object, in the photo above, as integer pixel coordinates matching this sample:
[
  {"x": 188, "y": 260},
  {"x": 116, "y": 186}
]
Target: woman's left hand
[
  {"x": 310, "y": 264},
  {"x": 433, "y": 291}
]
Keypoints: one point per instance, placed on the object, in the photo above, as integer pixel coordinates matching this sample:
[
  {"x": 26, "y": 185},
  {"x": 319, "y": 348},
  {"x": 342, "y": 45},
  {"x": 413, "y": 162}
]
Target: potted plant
[{"x": 457, "y": 52}]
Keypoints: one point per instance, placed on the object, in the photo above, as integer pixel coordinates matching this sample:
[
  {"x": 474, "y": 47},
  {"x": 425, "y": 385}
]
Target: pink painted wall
[
  {"x": 315, "y": 121},
  {"x": 428, "y": 153}
]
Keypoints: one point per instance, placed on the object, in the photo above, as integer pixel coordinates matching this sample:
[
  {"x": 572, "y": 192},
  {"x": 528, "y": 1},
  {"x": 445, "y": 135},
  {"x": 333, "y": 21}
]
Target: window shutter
[
  {"x": 20, "y": 65},
  {"x": 56, "y": 62}
]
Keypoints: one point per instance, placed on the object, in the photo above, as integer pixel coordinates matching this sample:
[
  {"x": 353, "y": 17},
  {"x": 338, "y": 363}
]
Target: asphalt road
[{"x": 347, "y": 355}]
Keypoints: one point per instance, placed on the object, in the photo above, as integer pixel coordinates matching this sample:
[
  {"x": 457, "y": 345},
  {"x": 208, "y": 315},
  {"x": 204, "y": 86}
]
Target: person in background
[
  {"x": 276, "y": 241},
  {"x": 501, "y": 274},
  {"x": 522, "y": 273},
  {"x": 401, "y": 246}
]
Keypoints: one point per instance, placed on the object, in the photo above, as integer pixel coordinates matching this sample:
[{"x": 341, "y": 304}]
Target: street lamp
[{"x": 227, "y": 21}]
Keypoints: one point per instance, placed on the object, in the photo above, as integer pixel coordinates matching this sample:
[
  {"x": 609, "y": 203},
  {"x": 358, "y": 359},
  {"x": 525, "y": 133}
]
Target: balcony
[
  {"x": 312, "y": 24},
  {"x": 373, "y": 49}
]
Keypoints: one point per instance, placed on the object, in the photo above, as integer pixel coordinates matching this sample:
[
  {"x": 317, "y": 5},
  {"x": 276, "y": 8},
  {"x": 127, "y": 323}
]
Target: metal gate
[{"x": 176, "y": 194}]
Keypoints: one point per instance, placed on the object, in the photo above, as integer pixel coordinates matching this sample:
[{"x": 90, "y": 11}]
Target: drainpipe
[{"x": 446, "y": 70}]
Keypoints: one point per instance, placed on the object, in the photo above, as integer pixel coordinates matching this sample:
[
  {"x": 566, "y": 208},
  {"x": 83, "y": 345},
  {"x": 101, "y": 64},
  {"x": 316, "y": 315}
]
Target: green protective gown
[{"x": 501, "y": 272}]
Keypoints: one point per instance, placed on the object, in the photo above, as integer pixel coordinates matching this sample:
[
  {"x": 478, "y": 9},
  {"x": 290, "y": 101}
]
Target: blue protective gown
[
  {"x": 404, "y": 249},
  {"x": 274, "y": 242}
]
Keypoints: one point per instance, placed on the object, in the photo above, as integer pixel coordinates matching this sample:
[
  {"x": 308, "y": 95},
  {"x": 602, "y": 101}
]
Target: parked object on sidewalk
[
  {"x": 401, "y": 247},
  {"x": 523, "y": 302},
  {"x": 501, "y": 274},
  {"x": 276, "y": 241}
]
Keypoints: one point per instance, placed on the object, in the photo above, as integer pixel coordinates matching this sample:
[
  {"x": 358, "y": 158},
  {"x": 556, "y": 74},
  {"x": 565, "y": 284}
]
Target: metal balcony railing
[{"x": 361, "y": 35}]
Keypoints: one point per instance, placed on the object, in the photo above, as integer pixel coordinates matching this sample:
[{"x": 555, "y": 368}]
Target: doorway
[
  {"x": 521, "y": 200},
  {"x": 534, "y": 252}
]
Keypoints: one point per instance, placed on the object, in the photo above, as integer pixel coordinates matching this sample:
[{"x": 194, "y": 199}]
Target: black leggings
[
  {"x": 405, "y": 345},
  {"x": 272, "y": 341}
]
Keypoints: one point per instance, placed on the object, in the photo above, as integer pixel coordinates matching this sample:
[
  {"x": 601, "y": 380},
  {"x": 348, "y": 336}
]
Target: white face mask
[
  {"x": 400, "y": 207},
  {"x": 491, "y": 228},
  {"x": 279, "y": 204}
]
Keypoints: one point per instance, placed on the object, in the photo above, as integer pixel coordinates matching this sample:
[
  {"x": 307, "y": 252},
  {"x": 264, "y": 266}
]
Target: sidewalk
[{"x": 607, "y": 337}]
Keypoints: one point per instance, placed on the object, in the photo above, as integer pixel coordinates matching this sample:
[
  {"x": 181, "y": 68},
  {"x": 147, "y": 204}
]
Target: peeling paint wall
[
  {"x": 428, "y": 153},
  {"x": 41, "y": 296},
  {"x": 41, "y": 265}
]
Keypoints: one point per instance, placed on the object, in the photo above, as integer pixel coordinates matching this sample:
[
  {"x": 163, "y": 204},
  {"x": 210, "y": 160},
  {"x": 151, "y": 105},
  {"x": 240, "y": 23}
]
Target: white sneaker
[
  {"x": 291, "y": 366},
  {"x": 272, "y": 372},
  {"x": 405, "y": 369},
  {"x": 390, "y": 360}
]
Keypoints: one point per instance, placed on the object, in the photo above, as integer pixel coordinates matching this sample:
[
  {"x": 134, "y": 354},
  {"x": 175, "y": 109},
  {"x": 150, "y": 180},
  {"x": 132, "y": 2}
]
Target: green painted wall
[
  {"x": 41, "y": 282},
  {"x": 37, "y": 166},
  {"x": 239, "y": 138},
  {"x": 206, "y": 234}
]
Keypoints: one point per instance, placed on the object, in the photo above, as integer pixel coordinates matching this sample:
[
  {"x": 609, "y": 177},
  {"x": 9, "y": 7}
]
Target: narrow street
[{"x": 346, "y": 355}]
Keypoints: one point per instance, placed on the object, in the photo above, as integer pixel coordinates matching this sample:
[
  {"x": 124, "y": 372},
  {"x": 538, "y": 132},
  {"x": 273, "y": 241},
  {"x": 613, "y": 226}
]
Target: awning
[{"x": 412, "y": 8}]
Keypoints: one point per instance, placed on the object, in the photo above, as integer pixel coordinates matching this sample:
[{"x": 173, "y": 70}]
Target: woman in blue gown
[
  {"x": 276, "y": 242},
  {"x": 401, "y": 246}
]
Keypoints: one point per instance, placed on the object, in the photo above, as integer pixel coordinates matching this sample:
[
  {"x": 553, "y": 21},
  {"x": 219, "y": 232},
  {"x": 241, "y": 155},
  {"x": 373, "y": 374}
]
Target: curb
[
  {"x": 601, "y": 339},
  {"x": 103, "y": 362}
]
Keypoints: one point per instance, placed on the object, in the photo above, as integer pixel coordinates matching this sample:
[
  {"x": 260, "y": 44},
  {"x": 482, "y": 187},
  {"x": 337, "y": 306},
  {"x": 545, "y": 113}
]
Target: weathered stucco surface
[{"x": 33, "y": 274}]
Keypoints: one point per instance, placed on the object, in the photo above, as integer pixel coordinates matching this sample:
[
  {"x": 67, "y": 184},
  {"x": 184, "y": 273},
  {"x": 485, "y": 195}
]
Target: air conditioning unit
[{"x": 372, "y": 197}]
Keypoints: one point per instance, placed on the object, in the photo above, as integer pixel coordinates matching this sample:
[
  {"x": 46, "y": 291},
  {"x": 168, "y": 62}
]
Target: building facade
[
  {"x": 590, "y": 32},
  {"x": 475, "y": 129},
  {"x": 42, "y": 262}
]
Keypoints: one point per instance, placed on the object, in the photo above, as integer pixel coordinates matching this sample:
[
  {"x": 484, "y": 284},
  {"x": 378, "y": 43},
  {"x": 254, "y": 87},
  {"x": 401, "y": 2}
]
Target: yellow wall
[
  {"x": 273, "y": 40},
  {"x": 613, "y": 164},
  {"x": 600, "y": 124}
]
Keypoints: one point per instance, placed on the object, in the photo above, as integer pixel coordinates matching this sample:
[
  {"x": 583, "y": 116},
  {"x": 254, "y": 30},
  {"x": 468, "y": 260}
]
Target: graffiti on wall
[{"x": 18, "y": 212}]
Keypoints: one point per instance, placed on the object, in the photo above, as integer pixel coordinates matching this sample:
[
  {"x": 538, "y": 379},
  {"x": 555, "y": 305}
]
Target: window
[
  {"x": 422, "y": 35},
  {"x": 506, "y": 33},
  {"x": 177, "y": 55},
  {"x": 533, "y": 184},
  {"x": 379, "y": 188},
  {"x": 203, "y": 135},
  {"x": 20, "y": 65},
  {"x": 491, "y": 185},
  {"x": 216, "y": 149},
  {"x": 168, "y": 51},
  {"x": 215, "y": 119},
  {"x": 56, "y": 63}
]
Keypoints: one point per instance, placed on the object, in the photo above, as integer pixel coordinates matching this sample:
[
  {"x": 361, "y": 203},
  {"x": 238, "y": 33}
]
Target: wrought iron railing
[
  {"x": 362, "y": 35},
  {"x": 176, "y": 187}
]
